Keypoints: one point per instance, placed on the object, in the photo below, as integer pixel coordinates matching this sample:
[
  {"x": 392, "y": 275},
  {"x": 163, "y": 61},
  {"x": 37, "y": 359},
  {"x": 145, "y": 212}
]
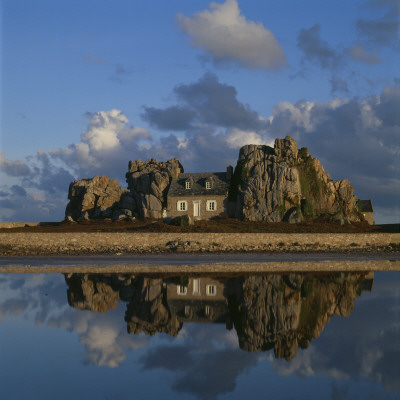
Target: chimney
[{"x": 229, "y": 172}]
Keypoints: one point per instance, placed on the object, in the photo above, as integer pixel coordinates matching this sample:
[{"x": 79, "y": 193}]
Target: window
[
  {"x": 211, "y": 290},
  {"x": 208, "y": 311},
  {"x": 180, "y": 289},
  {"x": 211, "y": 205},
  {"x": 208, "y": 185},
  {"x": 181, "y": 206},
  {"x": 196, "y": 286},
  {"x": 188, "y": 185}
]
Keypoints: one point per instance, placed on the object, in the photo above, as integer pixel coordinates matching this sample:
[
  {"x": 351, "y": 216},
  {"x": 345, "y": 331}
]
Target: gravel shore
[{"x": 78, "y": 243}]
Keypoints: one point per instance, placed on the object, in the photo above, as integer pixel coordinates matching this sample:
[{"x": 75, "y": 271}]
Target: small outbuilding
[{"x": 367, "y": 210}]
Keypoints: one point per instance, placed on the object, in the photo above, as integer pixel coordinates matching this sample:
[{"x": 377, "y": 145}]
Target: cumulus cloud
[
  {"x": 107, "y": 140},
  {"x": 13, "y": 168},
  {"x": 228, "y": 37}
]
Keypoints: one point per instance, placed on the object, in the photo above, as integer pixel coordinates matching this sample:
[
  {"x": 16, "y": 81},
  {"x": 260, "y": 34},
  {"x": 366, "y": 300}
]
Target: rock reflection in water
[{"x": 271, "y": 311}]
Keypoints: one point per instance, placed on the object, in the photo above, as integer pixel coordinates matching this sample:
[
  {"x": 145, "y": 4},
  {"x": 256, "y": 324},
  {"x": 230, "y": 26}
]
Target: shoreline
[
  {"x": 98, "y": 243},
  {"x": 223, "y": 268}
]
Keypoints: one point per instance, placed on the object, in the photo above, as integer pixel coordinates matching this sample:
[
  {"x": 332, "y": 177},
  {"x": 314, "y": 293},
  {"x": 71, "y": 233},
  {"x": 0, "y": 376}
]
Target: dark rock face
[
  {"x": 283, "y": 312},
  {"x": 148, "y": 311},
  {"x": 148, "y": 183},
  {"x": 273, "y": 184},
  {"x": 98, "y": 197}
]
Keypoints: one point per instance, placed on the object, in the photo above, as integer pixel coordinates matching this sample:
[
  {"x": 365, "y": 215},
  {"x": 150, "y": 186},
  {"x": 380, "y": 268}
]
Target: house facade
[{"x": 200, "y": 195}]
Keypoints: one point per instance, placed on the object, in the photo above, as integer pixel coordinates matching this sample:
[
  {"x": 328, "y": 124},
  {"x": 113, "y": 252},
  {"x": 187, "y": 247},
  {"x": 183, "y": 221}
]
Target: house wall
[
  {"x": 173, "y": 212},
  {"x": 369, "y": 217}
]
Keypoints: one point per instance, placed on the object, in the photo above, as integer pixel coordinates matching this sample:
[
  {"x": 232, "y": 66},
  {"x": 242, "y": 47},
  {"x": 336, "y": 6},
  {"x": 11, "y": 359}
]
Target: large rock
[
  {"x": 286, "y": 184},
  {"x": 97, "y": 197},
  {"x": 148, "y": 183}
]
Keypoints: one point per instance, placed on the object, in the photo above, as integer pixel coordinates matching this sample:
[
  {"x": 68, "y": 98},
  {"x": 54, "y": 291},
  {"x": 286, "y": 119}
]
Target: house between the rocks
[{"x": 199, "y": 195}]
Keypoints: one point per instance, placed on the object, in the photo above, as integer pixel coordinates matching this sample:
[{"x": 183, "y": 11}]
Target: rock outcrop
[
  {"x": 287, "y": 184},
  {"x": 148, "y": 183},
  {"x": 97, "y": 197}
]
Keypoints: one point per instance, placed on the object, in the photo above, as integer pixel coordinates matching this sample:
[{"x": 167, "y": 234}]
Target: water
[{"x": 293, "y": 336}]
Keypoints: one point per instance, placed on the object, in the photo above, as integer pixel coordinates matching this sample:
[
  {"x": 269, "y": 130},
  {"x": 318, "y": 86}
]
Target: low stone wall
[{"x": 91, "y": 243}]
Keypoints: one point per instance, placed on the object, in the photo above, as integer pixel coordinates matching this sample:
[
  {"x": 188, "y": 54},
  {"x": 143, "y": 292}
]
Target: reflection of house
[
  {"x": 201, "y": 300},
  {"x": 199, "y": 195},
  {"x": 367, "y": 210}
]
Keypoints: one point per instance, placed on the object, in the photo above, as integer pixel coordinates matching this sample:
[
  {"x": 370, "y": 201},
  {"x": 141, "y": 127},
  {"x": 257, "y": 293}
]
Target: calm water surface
[{"x": 294, "y": 336}]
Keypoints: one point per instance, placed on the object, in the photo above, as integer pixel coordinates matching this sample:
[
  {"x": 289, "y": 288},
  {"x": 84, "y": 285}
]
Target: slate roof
[
  {"x": 366, "y": 205},
  {"x": 219, "y": 187}
]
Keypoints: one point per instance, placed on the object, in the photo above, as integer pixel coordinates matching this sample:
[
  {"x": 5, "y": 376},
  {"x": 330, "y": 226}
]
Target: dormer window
[
  {"x": 188, "y": 185},
  {"x": 208, "y": 185}
]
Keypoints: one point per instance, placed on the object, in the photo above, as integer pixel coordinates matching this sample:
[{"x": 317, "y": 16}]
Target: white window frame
[
  {"x": 208, "y": 205},
  {"x": 181, "y": 203},
  {"x": 188, "y": 185},
  {"x": 208, "y": 185},
  {"x": 208, "y": 310},
  {"x": 211, "y": 290},
  {"x": 181, "y": 290}
]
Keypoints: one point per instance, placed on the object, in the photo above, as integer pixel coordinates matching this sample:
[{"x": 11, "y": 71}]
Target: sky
[{"x": 88, "y": 85}]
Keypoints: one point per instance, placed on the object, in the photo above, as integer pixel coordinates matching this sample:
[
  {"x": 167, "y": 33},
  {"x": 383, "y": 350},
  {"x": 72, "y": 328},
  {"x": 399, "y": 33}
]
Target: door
[{"x": 196, "y": 209}]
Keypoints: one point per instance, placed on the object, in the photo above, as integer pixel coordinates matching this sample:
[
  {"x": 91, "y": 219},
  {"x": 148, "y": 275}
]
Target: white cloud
[
  {"x": 237, "y": 138},
  {"x": 107, "y": 140},
  {"x": 103, "y": 129},
  {"x": 228, "y": 36}
]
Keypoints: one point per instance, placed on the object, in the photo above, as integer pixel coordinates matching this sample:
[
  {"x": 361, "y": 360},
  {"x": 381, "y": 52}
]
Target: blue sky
[{"x": 87, "y": 86}]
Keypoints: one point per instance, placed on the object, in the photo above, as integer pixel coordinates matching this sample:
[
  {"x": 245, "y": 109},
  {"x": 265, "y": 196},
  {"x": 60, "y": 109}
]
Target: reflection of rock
[
  {"x": 148, "y": 312},
  {"x": 284, "y": 312},
  {"x": 98, "y": 293},
  {"x": 280, "y": 312}
]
